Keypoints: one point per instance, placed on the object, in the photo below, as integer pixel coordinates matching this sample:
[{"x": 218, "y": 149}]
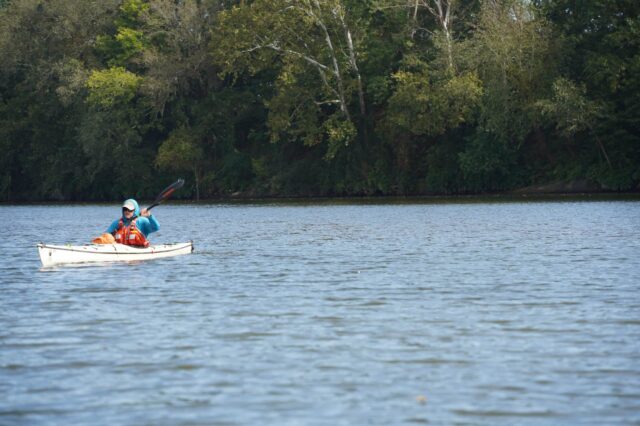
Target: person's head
[{"x": 130, "y": 209}]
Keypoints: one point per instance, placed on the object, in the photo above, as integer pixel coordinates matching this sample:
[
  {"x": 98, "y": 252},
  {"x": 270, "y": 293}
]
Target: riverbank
[
  {"x": 565, "y": 189},
  {"x": 578, "y": 188},
  {"x": 505, "y": 197},
  {"x": 562, "y": 189}
]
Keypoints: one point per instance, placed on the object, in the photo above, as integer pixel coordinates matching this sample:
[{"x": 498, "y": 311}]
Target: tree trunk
[
  {"x": 444, "y": 16},
  {"x": 353, "y": 61},
  {"x": 415, "y": 18},
  {"x": 441, "y": 10},
  {"x": 334, "y": 60},
  {"x": 604, "y": 151},
  {"x": 196, "y": 176}
]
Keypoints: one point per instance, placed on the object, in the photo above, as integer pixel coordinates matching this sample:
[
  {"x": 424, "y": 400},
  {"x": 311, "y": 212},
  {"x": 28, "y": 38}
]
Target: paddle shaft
[{"x": 167, "y": 193}]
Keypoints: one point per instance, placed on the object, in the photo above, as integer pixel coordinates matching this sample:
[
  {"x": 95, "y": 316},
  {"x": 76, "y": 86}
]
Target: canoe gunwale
[
  {"x": 54, "y": 247},
  {"x": 52, "y": 255}
]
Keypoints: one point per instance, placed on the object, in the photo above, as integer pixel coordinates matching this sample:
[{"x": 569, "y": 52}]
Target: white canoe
[{"x": 58, "y": 255}]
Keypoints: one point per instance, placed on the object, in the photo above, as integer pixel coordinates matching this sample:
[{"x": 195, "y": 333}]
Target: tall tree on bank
[
  {"x": 178, "y": 79},
  {"x": 315, "y": 49},
  {"x": 516, "y": 56},
  {"x": 46, "y": 48},
  {"x": 601, "y": 67},
  {"x": 433, "y": 92}
]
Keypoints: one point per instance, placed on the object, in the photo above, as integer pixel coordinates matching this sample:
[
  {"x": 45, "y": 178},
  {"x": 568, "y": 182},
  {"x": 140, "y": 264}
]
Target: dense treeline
[{"x": 101, "y": 99}]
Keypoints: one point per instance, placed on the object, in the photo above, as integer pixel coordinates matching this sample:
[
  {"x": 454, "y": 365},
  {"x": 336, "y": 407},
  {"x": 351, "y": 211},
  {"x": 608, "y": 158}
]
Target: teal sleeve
[
  {"x": 112, "y": 228},
  {"x": 154, "y": 224},
  {"x": 148, "y": 225}
]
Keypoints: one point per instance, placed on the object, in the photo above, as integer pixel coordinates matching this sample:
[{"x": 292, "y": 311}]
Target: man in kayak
[{"x": 134, "y": 226}]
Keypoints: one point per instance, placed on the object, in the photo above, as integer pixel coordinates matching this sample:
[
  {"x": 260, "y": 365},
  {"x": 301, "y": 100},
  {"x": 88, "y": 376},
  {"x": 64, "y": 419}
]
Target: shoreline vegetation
[
  {"x": 271, "y": 99},
  {"x": 496, "y": 197}
]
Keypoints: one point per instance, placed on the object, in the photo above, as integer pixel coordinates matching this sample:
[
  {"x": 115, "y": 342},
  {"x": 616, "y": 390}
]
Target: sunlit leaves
[
  {"x": 427, "y": 105},
  {"x": 340, "y": 132},
  {"x": 179, "y": 152},
  {"x": 515, "y": 56},
  {"x": 569, "y": 107},
  {"x": 312, "y": 48},
  {"x": 130, "y": 11},
  {"x": 112, "y": 86},
  {"x": 176, "y": 55}
]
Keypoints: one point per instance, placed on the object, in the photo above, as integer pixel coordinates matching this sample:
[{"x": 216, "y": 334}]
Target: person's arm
[
  {"x": 154, "y": 225},
  {"x": 151, "y": 224},
  {"x": 113, "y": 227}
]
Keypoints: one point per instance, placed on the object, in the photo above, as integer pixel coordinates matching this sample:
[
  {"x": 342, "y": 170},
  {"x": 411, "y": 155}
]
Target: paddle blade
[{"x": 166, "y": 193}]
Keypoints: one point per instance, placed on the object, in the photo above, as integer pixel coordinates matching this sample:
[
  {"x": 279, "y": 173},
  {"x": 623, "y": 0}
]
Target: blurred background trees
[{"x": 106, "y": 99}]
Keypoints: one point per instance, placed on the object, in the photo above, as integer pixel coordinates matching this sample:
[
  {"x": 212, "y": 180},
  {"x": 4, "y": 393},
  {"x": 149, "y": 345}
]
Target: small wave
[{"x": 503, "y": 413}]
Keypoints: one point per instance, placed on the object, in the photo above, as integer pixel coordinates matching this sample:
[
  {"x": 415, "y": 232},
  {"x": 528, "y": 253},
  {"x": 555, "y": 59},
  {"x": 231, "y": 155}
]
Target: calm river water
[{"x": 329, "y": 314}]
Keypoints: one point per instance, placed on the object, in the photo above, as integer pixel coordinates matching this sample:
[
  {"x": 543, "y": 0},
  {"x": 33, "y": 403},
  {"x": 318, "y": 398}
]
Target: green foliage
[
  {"x": 603, "y": 59},
  {"x": 72, "y": 80},
  {"x": 235, "y": 172},
  {"x": 425, "y": 105},
  {"x": 293, "y": 114},
  {"x": 339, "y": 133},
  {"x": 569, "y": 108},
  {"x": 179, "y": 152},
  {"x": 126, "y": 44},
  {"x": 131, "y": 11},
  {"x": 444, "y": 175},
  {"x": 489, "y": 163},
  {"x": 109, "y": 99},
  {"x": 514, "y": 53},
  {"x": 113, "y": 86},
  {"x": 313, "y": 49}
]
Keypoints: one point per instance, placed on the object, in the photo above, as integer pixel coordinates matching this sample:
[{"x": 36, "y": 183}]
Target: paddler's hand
[{"x": 145, "y": 213}]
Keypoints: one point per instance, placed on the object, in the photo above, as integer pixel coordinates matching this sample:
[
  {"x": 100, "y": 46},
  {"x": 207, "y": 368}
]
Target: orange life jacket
[{"x": 130, "y": 235}]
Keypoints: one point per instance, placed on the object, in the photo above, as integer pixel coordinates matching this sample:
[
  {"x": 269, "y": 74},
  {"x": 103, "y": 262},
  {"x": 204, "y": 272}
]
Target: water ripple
[{"x": 456, "y": 313}]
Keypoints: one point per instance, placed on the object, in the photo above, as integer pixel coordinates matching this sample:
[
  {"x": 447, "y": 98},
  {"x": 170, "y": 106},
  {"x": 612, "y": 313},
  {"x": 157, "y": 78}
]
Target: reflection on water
[{"x": 452, "y": 313}]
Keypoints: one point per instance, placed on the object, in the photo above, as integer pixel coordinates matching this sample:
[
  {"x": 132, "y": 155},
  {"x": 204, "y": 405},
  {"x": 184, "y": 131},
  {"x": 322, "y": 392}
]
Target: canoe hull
[{"x": 51, "y": 255}]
